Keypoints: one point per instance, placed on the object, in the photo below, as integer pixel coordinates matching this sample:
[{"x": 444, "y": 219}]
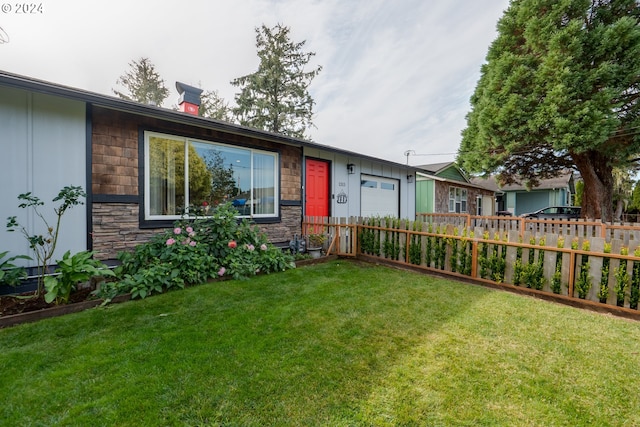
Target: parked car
[{"x": 555, "y": 212}]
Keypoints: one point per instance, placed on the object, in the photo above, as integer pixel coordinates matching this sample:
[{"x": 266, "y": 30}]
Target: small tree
[
  {"x": 213, "y": 106},
  {"x": 143, "y": 83},
  {"x": 44, "y": 245},
  {"x": 276, "y": 97},
  {"x": 223, "y": 183}
]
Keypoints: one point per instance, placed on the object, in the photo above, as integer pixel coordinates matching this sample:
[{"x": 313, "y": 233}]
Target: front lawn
[{"x": 336, "y": 344}]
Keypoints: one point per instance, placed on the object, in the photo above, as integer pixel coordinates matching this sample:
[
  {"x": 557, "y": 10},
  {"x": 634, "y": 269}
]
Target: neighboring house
[
  {"x": 142, "y": 165},
  {"x": 518, "y": 199},
  {"x": 443, "y": 188}
]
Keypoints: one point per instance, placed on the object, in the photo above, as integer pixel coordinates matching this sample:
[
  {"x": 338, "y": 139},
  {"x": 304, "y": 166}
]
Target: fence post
[{"x": 474, "y": 258}]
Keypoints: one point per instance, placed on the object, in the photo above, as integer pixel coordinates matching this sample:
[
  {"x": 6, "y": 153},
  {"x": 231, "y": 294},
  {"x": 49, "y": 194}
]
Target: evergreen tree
[
  {"x": 560, "y": 88},
  {"x": 223, "y": 182},
  {"x": 276, "y": 97},
  {"x": 213, "y": 106},
  {"x": 142, "y": 83}
]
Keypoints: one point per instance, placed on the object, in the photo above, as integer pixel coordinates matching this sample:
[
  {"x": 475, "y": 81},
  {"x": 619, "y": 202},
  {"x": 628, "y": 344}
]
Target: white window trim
[
  {"x": 147, "y": 200},
  {"x": 461, "y": 192}
]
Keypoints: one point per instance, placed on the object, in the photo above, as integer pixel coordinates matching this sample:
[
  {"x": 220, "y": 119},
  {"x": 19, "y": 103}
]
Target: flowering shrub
[{"x": 195, "y": 251}]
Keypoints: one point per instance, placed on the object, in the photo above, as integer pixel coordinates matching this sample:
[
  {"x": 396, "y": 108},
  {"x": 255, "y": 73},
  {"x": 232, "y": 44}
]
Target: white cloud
[{"x": 397, "y": 75}]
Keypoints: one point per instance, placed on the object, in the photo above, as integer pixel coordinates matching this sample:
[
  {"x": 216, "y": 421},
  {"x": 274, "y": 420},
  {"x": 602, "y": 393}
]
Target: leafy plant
[
  {"x": 556, "y": 280},
  {"x": 465, "y": 257},
  {"x": 532, "y": 275},
  {"x": 483, "y": 256},
  {"x": 195, "y": 251},
  {"x": 44, "y": 245},
  {"x": 622, "y": 280},
  {"x": 11, "y": 274},
  {"x": 316, "y": 240},
  {"x": 517, "y": 272},
  {"x": 428, "y": 253},
  {"x": 603, "y": 293},
  {"x": 367, "y": 237},
  {"x": 415, "y": 247},
  {"x": 72, "y": 270},
  {"x": 583, "y": 282}
]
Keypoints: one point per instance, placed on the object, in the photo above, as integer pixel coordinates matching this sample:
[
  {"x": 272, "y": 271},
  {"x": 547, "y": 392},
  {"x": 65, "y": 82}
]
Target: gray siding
[{"x": 43, "y": 149}]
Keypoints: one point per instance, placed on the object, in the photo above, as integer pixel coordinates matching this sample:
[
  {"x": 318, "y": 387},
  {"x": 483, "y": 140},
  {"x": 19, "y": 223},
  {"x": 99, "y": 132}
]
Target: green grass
[{"x": 337, "y": 344}]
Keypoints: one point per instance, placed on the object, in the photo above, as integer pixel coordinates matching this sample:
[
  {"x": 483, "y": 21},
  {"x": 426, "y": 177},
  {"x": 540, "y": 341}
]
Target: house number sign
[{"x": 342, "y": 198}]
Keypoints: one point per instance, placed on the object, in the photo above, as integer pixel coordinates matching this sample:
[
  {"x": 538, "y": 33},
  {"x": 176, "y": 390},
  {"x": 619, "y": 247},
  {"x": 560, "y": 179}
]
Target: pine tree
[
  {"x": 143, "y": 84},
  {"x": 560, "y": 88},
  {"x": 213, "y": 106},
  {"x": 276, "y": 97}
]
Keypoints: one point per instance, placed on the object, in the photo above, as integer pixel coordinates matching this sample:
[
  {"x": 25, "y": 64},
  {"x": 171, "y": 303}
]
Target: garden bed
[{"x": 24, "y": 308}]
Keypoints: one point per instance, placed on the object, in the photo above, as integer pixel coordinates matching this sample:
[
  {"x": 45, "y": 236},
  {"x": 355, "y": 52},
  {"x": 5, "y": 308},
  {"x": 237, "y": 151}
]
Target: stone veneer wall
[
  {"x": 115, "y": 228},
  {"x": 283, "y": 231}
]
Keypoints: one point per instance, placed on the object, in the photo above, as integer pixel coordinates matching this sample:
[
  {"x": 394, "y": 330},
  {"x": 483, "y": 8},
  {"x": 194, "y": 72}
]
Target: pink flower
[
  {"x": 263, "y": 247},
  {"x": 232, "y": 244},
  {"x": 189, "y": 230},
  {"x": 205, "y": 203},
  {"x": 170, "y": 241},
  {"x": 192, "y": 233},
  {"x": 192, "y": 243},
  {"x": 177, "y": 230},
  {"x": 222, "y": 271},
  {"x": 250, "y": 246}
]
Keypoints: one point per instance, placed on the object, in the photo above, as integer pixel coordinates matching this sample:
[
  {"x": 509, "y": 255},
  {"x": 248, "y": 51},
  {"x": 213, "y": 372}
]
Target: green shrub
[
  {"x": 10, "y": 274},
  {"x": 195, "y": 251},
  {"x": 603, "y": 293},
  {"x": 71, "y": 271},
  {"x": 622, "y": 280}
]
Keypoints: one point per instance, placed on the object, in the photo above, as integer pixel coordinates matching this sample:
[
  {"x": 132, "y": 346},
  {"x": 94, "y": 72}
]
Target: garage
[
  {"x": 379, "y": 196},
  {"x": 531, "y": 201}
]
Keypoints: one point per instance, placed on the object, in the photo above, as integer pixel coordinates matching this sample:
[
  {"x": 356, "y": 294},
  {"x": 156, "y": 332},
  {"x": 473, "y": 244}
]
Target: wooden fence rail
[
  {"x": 627, "y": 232},
  {"x": 575, "y": 262}
]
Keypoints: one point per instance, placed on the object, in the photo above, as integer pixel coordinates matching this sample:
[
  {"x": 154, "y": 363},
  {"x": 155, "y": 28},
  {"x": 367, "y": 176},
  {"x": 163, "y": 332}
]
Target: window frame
[
  {"x": 458, "y": 197},
  {"x": 148, "y": 218}
]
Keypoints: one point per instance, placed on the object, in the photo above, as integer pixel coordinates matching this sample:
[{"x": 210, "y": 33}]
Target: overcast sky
[{"x": 397, "y": 74}]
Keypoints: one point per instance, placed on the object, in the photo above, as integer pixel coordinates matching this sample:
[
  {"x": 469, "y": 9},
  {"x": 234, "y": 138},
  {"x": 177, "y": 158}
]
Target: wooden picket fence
[
  {"x": 629, "y": 233},
  {"x": 566, "y": 258}
]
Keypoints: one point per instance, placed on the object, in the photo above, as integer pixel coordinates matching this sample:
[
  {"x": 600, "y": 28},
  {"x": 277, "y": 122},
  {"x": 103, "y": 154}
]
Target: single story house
[
  {"x": 519, "y": 199},
  {"x": 143, "y": 166},
  {"x": 444, "y": 188}
]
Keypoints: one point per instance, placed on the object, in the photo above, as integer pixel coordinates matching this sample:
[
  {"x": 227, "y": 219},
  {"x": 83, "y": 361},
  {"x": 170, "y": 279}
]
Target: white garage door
[{"x": 379, "y": 196}]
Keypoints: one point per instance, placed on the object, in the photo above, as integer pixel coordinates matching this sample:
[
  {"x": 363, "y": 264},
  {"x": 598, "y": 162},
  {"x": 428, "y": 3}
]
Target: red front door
[{"x": 317, "y": 188}]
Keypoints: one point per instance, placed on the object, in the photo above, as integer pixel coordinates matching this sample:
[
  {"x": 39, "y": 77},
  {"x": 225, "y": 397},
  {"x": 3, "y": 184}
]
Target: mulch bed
[{"x": 28, "y": 302}]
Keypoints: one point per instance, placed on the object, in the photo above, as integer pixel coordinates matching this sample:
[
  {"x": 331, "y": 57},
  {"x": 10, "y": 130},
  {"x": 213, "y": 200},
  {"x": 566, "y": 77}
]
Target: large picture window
[
  {"x": 182, "y": 174},
  {"x": 457, "y": 200}
]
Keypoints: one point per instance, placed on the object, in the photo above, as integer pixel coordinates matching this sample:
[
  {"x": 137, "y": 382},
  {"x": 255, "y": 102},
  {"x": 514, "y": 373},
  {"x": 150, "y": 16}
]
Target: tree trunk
[
  {"x": 596, "y": 172},
  {"x": 617, "y": 214}
]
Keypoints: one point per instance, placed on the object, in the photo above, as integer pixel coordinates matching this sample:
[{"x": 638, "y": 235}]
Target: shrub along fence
[{"x": 572, "y": 261}]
